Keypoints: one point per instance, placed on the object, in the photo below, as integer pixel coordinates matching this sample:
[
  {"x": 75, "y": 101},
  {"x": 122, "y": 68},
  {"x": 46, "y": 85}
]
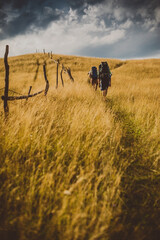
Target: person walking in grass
[
  {"x": 93, "y": 77},
  {"x": 104, "y": 77}
]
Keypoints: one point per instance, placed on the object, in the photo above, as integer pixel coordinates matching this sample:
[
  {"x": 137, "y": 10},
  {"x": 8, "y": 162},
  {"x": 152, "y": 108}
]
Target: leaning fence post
[
  {"x": 45, "y": 77},
  {"x": 69, "y": 74},
  {"x": 62, "y": 76},
  {"x": 30, "y": 88},
  {"x": 6, "y": 108}
]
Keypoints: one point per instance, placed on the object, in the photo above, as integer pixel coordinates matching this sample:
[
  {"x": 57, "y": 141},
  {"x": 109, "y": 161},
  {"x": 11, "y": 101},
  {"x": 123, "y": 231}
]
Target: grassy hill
[{"x": 76, "y": 166}]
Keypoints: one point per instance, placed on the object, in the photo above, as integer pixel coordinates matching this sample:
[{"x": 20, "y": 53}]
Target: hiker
[
  {"x": 93, "y": 77},
  {"x": 104, "y": 77}
]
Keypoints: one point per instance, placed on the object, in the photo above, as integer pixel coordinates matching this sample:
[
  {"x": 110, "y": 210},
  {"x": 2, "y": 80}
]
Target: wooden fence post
[
  {"x": 68, "y": 71},
  {"x": 6, "y": 108},
  {"x": 69, "y": 74},
  {"x": 30, "y": 88},
  {"x": 57, "y": 74},
  {"x": 45, "y": 77},
  {"x": 62, "y": 76}
]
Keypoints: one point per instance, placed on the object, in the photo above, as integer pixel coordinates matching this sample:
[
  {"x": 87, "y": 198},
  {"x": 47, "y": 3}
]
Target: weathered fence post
[
  {"x": 30, "y": 88},
  {"x": 68, "y": 71},
  {"x": 69, "y": 74},
  {"x": 62, "y": 76},
  {"x": 6, "y": 108},
  {"x": 57, "y": 74},
  {"x": 51, "y": 54},
  {"x": 44, "y": 51},
  {"x": 45, "y": 77}
]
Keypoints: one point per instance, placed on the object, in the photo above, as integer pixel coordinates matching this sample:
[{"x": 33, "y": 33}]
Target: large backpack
[
  {"x": 94, "y": 74},
  {"x": 104, "y": 73}
]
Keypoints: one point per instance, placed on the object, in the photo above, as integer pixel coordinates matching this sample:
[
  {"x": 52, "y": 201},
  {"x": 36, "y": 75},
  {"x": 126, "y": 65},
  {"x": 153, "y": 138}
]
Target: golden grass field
[{"x": 76, "y": 166}]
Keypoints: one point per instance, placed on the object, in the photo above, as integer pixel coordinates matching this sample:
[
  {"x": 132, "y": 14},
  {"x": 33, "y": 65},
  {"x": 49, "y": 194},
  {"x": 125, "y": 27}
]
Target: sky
[{"x": 120, "y": 29}]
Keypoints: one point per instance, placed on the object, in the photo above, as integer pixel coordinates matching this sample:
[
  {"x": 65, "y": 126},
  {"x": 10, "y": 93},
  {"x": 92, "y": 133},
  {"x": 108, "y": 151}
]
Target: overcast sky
[{"x": 113, "y": 29}]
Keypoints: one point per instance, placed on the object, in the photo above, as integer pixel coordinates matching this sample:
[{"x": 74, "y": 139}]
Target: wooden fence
[{"x": 7, "y": 98}]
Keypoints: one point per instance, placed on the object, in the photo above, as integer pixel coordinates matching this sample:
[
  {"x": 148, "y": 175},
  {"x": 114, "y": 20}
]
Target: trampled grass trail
[
  {"x": 139, "y": 181},
  {"x": 74, "y": 166}
]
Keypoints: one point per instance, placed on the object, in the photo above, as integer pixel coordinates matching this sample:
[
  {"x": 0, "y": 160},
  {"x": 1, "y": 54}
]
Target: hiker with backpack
[
  {"x": 104, "y": 77},
  {"x": 93, "y": 77}
]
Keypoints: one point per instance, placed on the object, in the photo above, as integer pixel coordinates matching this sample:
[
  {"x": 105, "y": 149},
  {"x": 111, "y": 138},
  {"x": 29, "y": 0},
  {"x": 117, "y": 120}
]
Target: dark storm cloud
[
  {"x": 17, "y": 16},
  {"x": 139, "y": 3},
  {"x": 133, "y": 5},
  {"x": 137, "y": 6},
  {"x": 2, "y": 18},
  {"x": 79, "y": 3}
]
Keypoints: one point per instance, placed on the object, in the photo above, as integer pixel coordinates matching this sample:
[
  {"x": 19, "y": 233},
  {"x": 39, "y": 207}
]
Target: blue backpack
[{"x": 94, "y": 74}]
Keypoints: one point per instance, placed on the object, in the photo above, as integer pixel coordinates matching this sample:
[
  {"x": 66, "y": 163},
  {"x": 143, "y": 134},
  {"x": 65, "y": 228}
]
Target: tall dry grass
[
  {"x": 74, "y": 166},
  {"x": 137, "y": 89}
]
